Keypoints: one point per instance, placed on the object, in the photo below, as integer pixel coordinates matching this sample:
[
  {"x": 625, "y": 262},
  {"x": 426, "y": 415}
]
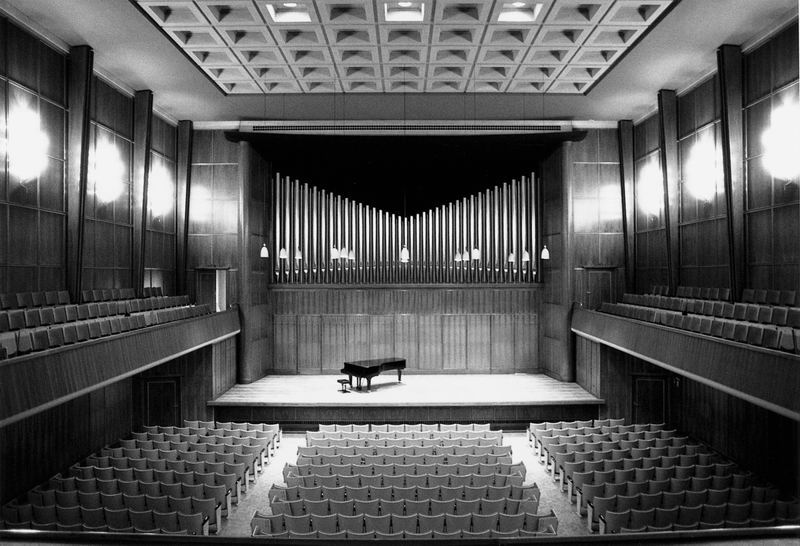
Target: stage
[{"x": 505, "y": 400}]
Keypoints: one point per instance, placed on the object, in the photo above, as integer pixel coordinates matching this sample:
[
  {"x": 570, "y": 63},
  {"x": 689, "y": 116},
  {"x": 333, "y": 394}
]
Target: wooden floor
[{"x": 414, "y": 391}]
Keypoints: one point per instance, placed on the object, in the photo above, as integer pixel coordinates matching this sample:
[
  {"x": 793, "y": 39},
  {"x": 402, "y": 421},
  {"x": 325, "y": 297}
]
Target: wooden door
[
  {"x": 649, "y": 399},
  {"x": 161, "y": 401}
]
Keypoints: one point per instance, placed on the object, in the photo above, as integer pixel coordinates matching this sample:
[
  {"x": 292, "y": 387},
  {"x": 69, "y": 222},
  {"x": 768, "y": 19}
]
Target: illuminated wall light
[
  {"x": 780, "y": 142},
  {"x": 610, "y": 197},
  {"x": 650, "y": 194},
  {"x": 701, "y": 170},
  {"x": 160, "y": 192},
  {"x": 108, "y": 171},
  {"x": 27, "y": 144},
  {"x": 200, "y": 204}
]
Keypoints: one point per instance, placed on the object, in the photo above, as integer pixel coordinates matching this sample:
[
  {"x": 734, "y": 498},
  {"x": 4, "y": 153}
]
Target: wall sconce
[
  {"x": 404, "y": 255},
  {"x": 701, "y": 170},
  {"x": 107, "y": 171},
  {"x": 160, "y": 192},
  {"x": 780, "y": 142},
  {"x": 545, "y": 253},
  {"x": 264, "y": 251},
  {"x": 650, "y": 193},
  {"x": 27, "y": 144}
]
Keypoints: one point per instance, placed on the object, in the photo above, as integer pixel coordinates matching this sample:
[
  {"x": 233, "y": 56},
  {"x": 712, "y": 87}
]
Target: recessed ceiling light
[
  {"x": 289, "y": 12},
  {"x": 404, "y": 12},
  {"x": 520, "y": 12}
]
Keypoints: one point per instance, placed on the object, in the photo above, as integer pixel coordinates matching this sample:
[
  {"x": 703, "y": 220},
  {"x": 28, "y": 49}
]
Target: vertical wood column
[
  {"x": 668, "y": 140},
  {"x": 142, "y": 137},
  {"x": 729, "y": 66},
  {"x": 81, "y": 66},
  {"x": 627, "y": 183},
  {"x": 183, "y": 195}
]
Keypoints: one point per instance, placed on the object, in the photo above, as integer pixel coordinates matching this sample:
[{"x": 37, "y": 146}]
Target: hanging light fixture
[
  {"x": 476, "y": 253},
  {"x": 545, "y": 253},
  {"x": 343, "y": 253},
  {"x": 511, "y": 258},
  {"x": 298, "y": 255},
  {"x": 264, "y": 251},
  {"x": 283, "y": 255},
  {"x": 351, "y": 255},
  {"x": 465, "y": 256},
  {"x": 334, "y": 253},
  {"x": 404, "y": 255},
  {"x": 457, "y": 257},
  {"x": 525, "y": 256}
]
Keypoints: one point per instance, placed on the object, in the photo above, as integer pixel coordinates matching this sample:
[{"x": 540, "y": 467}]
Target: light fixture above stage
[
  {"x": 545, "y": 253},
  {"x": 283, "y": 255},
  {"x": 404, "y": 255},
  {"x": 476, "y": 253},
  {"x": 264, "y": 251},
  {"x": 334, "y": 253},
  {"x": 526, "y": 257}
]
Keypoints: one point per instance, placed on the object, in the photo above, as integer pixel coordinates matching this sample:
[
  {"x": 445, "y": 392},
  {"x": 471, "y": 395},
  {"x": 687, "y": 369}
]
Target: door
[
  {"x": 649, "y": 399},
  {"x": 161, "y": 401}
]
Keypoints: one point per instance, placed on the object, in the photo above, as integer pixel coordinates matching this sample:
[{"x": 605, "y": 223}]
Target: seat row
[
  {"x": 705, "y": 516},
  {"x": 411, "y": 492},
  {"x": 119, "y": 294},
  {"x": 21, "y": 342},
  {"x": 402, "y": 506},
  {"x": 418, "y": 442},
  {"x": 752, "y": 312},
  {"x": 221, "y": 425},
  {"x": 505, "y": 469},
  {"x": 23, "y": 300},
  {"x": 704, "y": 293},
  {"x": 408, "y": 480},
  {"x": 418, "y": 435},
  {"x": 399, "y": 526},
  {"x": 404, "y": 451},
  {"x": 549, "y": 446},
  {"x": 403, "y": 459},
  {"x": 783, "y": 338},
  {"x": 406, "y": 427},
  {"x": 116, "y": 520},
  {"x": 749, "y": 295},
  {"x": 749, "y": 503}
]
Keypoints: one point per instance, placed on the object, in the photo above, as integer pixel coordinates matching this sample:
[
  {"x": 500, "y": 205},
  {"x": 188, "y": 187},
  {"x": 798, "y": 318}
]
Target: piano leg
[
  {"x": 369, "y": 383},
  {"x": 399, "y": 376}
]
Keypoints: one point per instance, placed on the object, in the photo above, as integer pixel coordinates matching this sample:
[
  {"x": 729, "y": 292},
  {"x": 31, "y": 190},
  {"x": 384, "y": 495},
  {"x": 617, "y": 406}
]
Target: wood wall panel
[
  {"x": 502, "y": 343},
  {"x": 223, "y": 360},
  {"x": 454, "y": 342},
  {"x": 332, "y": 342},
  {"x": 381, "y": 336},
  {"x": 39, "y": 446},
  {"x": 479, "y": 349},
  {"x": 308, "y": 346},
  {"x": 285, "y": 336},
  {"x": 430, "y": 342},
  {"x": 433, "y": 328}
]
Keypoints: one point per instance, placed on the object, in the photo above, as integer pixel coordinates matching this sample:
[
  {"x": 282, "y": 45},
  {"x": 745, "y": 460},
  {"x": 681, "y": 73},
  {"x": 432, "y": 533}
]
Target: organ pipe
[{"x": 309, "y": 222}]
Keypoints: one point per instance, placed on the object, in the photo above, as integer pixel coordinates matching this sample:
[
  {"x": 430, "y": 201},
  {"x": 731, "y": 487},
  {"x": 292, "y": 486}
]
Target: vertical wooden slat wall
[{"x": 309, "y": 223}]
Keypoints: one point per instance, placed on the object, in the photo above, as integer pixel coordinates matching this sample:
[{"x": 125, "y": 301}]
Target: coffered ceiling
[{"x": 396, "y": 46}]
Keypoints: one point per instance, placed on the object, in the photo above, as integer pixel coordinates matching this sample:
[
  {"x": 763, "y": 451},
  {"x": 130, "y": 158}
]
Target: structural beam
[
  {"x": 668, "y": 150},
  {"x": 729, "y": 66},
  {"x": 183, "y": 195},
  {"x": 142, "y": 137},
  {"x": 81, "y": 66},
  {"x": 627, "y": 186}
]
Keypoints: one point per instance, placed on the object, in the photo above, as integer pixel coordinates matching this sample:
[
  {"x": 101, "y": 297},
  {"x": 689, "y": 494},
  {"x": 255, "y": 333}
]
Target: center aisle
[{"x": 257, "y": 497}]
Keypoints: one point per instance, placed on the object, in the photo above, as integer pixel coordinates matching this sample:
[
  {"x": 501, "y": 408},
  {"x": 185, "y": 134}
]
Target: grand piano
[{"x": 367, "y": 369}]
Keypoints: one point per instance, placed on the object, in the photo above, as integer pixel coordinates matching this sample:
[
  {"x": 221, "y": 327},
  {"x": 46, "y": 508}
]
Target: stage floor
[{"x": 414, "y": 391}]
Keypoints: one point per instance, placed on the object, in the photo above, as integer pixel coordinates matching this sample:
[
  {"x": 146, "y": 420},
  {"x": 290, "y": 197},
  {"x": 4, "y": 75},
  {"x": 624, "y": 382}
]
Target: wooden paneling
[
  {"x": 40, "y": 380},
  {"x": 455, "y": 329},
  {"x": 308, "y": 345},
  {"x": 223, "y": 363},
  {"x": 764, "y": 377},
  {"x": 37, "y": 447}
]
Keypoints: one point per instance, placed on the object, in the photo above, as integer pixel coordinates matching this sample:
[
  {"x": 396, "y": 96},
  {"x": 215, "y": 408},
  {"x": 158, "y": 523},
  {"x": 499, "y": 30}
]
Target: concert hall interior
[{"x": 326, "y": 270}]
